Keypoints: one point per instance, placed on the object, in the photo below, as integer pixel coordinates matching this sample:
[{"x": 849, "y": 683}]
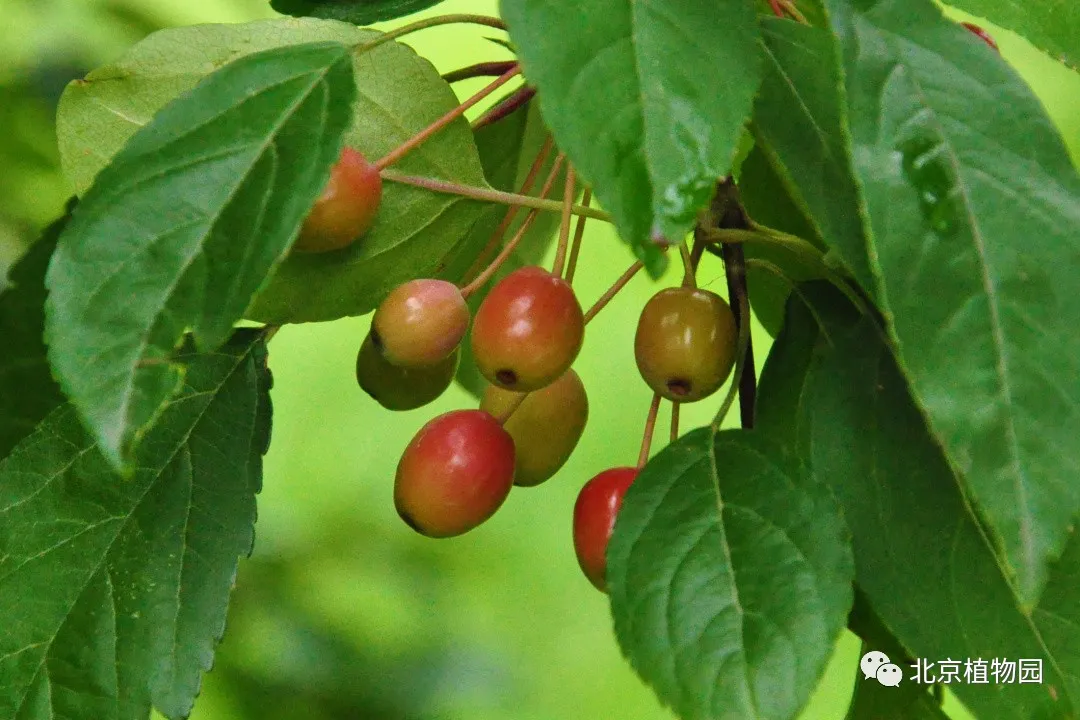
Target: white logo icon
[
  {"x": 875, "y": 664},
  {"x": 889, "y": 674}
]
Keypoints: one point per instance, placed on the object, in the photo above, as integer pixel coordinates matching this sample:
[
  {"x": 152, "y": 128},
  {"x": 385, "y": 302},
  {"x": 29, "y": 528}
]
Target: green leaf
[
  {"x": 358, "y": 12},
  {"x": 27, "y": 390},
  {"x": 115, "y": 590},
  {"x": 907, "y": 701},
  {"x": 799, "y": 125},
  {"x": 1053, "y": 26},
  {"x": 417, "y": 234},
  {"x": 650, "y": 103},
  {"x": 507, "y": 151},
  {"x": 183, "y": 227},
  {"x": 730, "y": 575},
  {"x": 766, "y": 199},
  {"x": 973, "y": 205},
  {"x": 922, "y": 562},
  {"x": 874, "y": 701},
  {"x": 1058, "y": 614}
]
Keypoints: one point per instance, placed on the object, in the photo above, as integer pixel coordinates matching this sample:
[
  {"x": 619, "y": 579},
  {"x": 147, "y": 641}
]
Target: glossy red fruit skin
[
  {"x": 528, "y": 331},
  {"x": 597, "y": 506},
  {"x": 454, "y": 474},
  {"x": 347, "y": 207},
  {"x": 421, "y": 322},
  {"x": 981, "y": 34}
]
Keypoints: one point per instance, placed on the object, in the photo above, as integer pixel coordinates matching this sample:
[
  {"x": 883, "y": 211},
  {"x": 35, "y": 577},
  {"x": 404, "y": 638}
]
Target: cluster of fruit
[{"x": 460, "y": 467}]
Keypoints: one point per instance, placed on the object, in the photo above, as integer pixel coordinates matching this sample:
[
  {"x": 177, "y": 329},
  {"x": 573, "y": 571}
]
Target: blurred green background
[{"x": 343, "y": 612}]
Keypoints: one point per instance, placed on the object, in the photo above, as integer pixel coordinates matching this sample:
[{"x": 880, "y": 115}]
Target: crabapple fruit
[
  {"x": 347, "y": 207},
  {"x": 597, "y": 505},
  {"x": 685, "y": 343},
  {"x": 528, "y": 330},
  {"x": 454, "y": 474},
  {"x": 546, "y": 426}
]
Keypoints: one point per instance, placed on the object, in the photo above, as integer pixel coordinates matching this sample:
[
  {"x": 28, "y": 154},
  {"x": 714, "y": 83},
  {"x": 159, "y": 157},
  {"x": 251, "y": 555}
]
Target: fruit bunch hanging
[{"x": 525, "y": 335}]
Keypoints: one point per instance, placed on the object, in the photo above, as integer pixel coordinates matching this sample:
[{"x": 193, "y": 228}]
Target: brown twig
[{"x": 734, "y": 217}]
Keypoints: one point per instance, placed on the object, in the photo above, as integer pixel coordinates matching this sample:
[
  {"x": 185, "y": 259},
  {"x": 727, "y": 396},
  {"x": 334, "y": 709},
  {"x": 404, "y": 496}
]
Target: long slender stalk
[
  {"x": 740, "y": 364},
  {"x": 479, "y": 281},
  {"x": 675, "y": 421},
  {"x": 793, "y": 11},
  {"x": 613, "y": 290},
  {"x": 484, "y": 69},
  {"x": 511, "y": 212},
  {"x": 579, "y": 232},
  {"x": 427, "y": 133},
  {"x": 650, "y": 426},
  {"x": 491, "y": 196},
  {"x": 506, "y": 107},
  {"x": 569, "y": 191},
  {"x": 689, "y": 278},
  {"x": 450, "y": 19}
]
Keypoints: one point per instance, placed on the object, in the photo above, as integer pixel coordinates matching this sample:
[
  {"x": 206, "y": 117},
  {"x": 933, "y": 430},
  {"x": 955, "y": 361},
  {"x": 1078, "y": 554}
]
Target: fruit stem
[
  {"x": 777, "y": 9},
  {"x": 505, "y": 107},
  {"x": 675, "y": 421},
  {"x": 480, "y": 280},
  {"x": 491, "y": 196},
  {"x": 743, "y": 345},
  {"x": 511, "y": 212},
  {"x": 793, "y": 11},
  {"x": 569, "y": 191},
  {"x": 424, "y": 135},
  {"x": 613, "y": 290},
  {"x": 450, "y": 19},
  {"x": 689, "y": 281},
  {"x": 484, "y": 69},
  {"x": 650, "y": 425},
  {"x": 579, "y": 232}
]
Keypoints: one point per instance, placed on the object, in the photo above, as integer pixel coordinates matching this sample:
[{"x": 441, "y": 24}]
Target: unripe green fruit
[
  {"x": 397, "y": 388},
  {"x": 420, "y": 323},
  {"x": 546, "y": 426},
  {"x": 595, "y": 511},
  {"x": 528, "y": 331},
  {"x": 454, "y": 474},
  {"x": 685, "y": 343},
  {"x": 347, "y": 207}
]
